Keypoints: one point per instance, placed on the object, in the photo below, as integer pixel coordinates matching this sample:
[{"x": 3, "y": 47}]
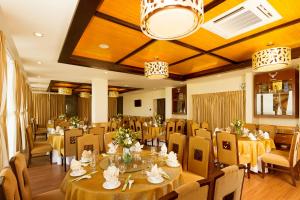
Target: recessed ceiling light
[
  {"x": 39, "y": 62},
  {"x": 105, "y": 72},
  {"x": 104, "y": 46},
  {"x": 38, "y": 34}
]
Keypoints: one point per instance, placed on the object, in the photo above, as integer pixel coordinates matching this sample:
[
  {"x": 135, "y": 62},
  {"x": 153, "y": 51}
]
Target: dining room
[{"x": 149, "y": 100}]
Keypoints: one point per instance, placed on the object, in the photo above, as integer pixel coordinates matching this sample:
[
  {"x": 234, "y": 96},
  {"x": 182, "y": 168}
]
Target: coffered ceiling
[{"x": 116, "y": 23}]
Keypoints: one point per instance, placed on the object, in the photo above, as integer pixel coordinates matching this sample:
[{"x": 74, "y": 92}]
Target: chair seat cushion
[
  {"x": 277, "y": 157},
  {"x": 244, "y": 158},
  {"x": 51, "y": 195},
  {"x": 41, "y": 148},
  {"x": 188, "y": 177}
]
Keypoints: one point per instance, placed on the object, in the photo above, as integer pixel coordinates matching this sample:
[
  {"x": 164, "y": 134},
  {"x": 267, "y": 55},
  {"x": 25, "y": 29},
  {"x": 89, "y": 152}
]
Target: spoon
[{"x": 130, "y": 183}]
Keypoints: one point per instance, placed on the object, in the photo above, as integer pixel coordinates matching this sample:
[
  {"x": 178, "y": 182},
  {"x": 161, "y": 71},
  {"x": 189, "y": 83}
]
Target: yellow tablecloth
[
  {"x": 156, "y": 131},
  {"x": 56, "y": 141},
  {"x": 91, "y": 189}
]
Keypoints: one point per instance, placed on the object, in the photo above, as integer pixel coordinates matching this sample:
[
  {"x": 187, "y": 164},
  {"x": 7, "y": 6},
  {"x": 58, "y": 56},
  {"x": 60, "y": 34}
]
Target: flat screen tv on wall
[{"x": 138, "y": 103}]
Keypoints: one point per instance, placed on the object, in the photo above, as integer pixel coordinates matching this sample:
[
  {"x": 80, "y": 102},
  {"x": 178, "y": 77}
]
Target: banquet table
[
  {"x": 91, "y": 189},
  {"x": 57, "y": 143}
]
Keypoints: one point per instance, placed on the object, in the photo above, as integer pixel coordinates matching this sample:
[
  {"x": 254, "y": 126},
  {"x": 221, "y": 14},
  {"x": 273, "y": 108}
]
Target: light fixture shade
[
  {"x": 156, "y": 70},
  {"x": 171, "y": 19},
  {"x": 271, "y": 59},
  {"x": 85, "y": 95},
  {"x": 113, "y": 94},
  {"x": 65, "y": 91}
]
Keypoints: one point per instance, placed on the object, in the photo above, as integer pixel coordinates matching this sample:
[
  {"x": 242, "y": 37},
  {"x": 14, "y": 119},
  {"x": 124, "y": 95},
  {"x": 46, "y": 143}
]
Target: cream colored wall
[{"x": 147, "y": 98}]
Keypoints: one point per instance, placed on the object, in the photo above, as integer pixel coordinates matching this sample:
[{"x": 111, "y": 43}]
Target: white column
[
  {"x": 168, "y": 96},
  {"x": 99, "y": 100},
  {"x": 249, "y": 97}
]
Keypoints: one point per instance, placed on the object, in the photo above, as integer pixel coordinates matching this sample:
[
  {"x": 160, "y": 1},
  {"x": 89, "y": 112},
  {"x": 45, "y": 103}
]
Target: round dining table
[{"x": 92, "y": 189}]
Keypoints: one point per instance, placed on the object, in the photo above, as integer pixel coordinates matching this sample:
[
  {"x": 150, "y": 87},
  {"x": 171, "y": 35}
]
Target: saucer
[
  {"x": 109, "y": 186},
  {"x": 155, "y": 180},
  {"x": 172, "y": 164},
  {"x": 77, "y": 173},
  {"x": 85, "y": 160}
]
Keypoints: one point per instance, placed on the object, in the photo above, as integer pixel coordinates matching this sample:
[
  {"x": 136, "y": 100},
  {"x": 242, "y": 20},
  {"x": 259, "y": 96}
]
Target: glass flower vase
[{"x": 127, "y": 157}]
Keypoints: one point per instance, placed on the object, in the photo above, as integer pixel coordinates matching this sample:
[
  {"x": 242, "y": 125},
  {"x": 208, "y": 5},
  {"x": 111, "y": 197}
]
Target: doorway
[{"x": 160, "y": 107}]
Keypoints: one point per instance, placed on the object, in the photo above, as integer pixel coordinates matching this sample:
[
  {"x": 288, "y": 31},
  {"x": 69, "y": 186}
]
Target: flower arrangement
[
  {"x": 125, "y": 137},
  {"x": 238, "y": 126},
  {"x": 158, "y": 119},
  {"x": 74, "y": 121},
  {"x": 62, "y": 116}
]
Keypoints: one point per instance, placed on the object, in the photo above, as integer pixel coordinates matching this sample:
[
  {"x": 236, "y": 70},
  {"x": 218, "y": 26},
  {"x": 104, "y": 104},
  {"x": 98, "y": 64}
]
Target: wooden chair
[
  {"x": 108, "y": 126},
  {"x": 132, "y": 125},
  {"x": 180, "y": 126},
  {"x": 147, "y": 135},
  {"x": 228, "y": 153},
  {"x": 114, "y": 126},
  {"x": 251, "y": 127},
  {"x": 286, "y": 160},
  {"x": 8, "y": 185},
  {"x": 203, "y": 133},
  {"x": 38, "y": 131},
  {"x": 229, "y": 184},
  {"x": 18, "y": 165},
  {"x": 198, "y": 190},
  {"x": 70, "y": 141},
  {"x": 37, "y": 148},
  {"x": 170, "y": 128},
  {"x": 195, "y": 126},
  {"x": 88, "y": 142},
  {"x": 204, "y": 125},
  {"x": 177, "y": 143},
  {"x": 271, "y": 129},
  {"x": 102, "y": 125},
  {"x": 108, "y": 138},
  {"x": 138, "y": 126},
  {"x": 100, "y": 131}
]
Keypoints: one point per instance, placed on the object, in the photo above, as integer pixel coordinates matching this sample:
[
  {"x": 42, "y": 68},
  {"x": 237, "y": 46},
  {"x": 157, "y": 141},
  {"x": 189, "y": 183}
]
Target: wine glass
[{"x": 122, "y": 168}]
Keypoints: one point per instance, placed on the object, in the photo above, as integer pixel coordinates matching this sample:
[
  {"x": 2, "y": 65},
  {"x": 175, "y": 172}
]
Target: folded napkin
[
  {"x": 155, "y": 172},
  {"x": 246, "y": 131},
  {"x": 61, "y": 131},
  {"x": 112, "y": 149},
  {"x": 251, "y": 136},
  {"x": 228, "y": 129},
  {"x": 137, "y": 147},
  {"x": 260, "y": 132},
  {"x": 52, "y": 131},
  {"x": 163, "y": 150},
  {"x": 57, "y": 128},
  {"x": 266, "y": 135},
  {"x": 75, "y": 165},
  {"x": 172, "y": 158},
  {"x": 86, "y": 154},
  {"x": 145, "y": 124},
  {"x": 111, "y": 174}
]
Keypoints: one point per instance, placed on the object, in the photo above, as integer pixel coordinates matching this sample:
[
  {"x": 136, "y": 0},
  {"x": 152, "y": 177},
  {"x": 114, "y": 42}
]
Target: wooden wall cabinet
[
  {"x": 179, "y": 105},
  {"x": 276, "y": 94}
]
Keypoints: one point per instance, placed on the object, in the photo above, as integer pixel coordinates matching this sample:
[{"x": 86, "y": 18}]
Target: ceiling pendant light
[
  {"x": 113, "y": 94},
  {"x": 271, "y": 59},
  {"x": 156, "y": 69},
  {"x": 171, "y": 19},
  {"x": 85, "y": 95},
  {"x": 65, "y": 91}
]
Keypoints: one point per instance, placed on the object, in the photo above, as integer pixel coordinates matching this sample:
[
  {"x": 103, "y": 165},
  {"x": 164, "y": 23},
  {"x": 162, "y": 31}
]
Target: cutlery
[
  {"x": 89, "y": 174},
  {"x": 83, "y": 177},
  {"x": 126, "y": 183},
  {"x": 130, "y": 183}
]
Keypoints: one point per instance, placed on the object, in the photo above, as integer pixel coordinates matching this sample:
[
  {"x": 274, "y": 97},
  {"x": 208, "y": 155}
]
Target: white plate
[
  {"x": 85, "y": 160},
  {"x": 109, "y": 186},
  {"x": 170, "y": 164},
  {"x": 155, "y": 180},
  {"x": 79, "y": 173}
]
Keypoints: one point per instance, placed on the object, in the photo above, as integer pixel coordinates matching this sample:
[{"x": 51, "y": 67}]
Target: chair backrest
[
  {"x": 294, "y": 150},
  {"x": 203, "y": 133},
  {"x": 100, "y": 132},
  {"x": 230, "y": 184},
  {"x": 102, "y": 125},
  {"x": 29, "y": 137},
  {"x": 227, "y": 148},
  {"x": 204, "y": 125},
  {"x": 198, "y": 190},
  {"x": 19, "y": 167},
  {"x": 8, "y": 185},
  {"x": 88, "y": 142},
  {"x": 114, "y": 126},
  {"x": 177, "y": 142},
  {"x": 271, "y": 129},
  {"x": 108, "y": 138},
  {"x": 251, "y": 127},
  {"x": 132, "y": 125},
  {"x": 195, "y": 126},
  {"x": 170, "y": 128},
  {"x": 199, "y": 157},
  {"x": 70, "y": 141},
  {"x": 138, "y": 126},
  {"x": 180, "y": 126}
]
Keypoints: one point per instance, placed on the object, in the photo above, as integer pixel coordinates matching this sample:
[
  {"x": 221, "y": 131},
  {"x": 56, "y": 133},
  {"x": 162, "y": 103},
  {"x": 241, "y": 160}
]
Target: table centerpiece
[{"x": 238, "y": 126}]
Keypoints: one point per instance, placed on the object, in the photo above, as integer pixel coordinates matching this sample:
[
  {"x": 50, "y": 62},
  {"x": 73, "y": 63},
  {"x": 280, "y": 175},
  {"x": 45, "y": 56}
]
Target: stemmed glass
[{"x": 93, "y": 162}]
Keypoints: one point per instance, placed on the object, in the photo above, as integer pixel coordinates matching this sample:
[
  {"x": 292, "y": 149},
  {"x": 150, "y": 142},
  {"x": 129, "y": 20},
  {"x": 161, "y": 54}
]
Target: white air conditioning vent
[{"x": 245, "y": 17}]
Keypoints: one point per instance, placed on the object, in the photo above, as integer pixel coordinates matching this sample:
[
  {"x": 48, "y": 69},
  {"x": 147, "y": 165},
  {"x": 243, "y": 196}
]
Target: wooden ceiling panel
[
  {"x": 165, "y": 51},
  {"x": 125, "y": 10},
  {"x": 121, "y": 40},
  {"x": 208, "y": 40},
  {"x": 196, "y": 64},
  {"x": 288, "y": 36}
]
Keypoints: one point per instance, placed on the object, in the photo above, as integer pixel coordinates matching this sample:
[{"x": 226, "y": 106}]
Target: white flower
[
  {"x": 127, "y": 135},
  {"x": 129, "y": 142}
]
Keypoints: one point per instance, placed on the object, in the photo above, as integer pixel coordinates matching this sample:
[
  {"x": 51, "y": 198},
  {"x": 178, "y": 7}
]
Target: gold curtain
[
  {"x": 41, "y": 108},
  {"x": 18, "y": 87},
  {"x": 57, "y": 105},
  {"x": 3, "y": 87},
  {"x": 84, "y": 109},
  {"x": 29, "y": 104},
  {"x": 219, "y": 109},
  {"x": 112, "y": 107}
]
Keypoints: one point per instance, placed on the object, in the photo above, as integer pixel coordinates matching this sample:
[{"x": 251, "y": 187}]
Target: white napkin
[
  {"x": 57, "y": 129},
  {"x": 75, "y": 165},
  {"x": 145, "y": 124},
  {"x": 137, "y": 147},
  {"x": 111, "y": 174},
  {"x": 155, "y": 172},
  {"x": 61, "y": 131},
  {"x": 228, "y": 129},
  {"x": 251, "y": 136},
  {"x": 246, "y": 131},
  {"x": 172, "y": 158},
  {"x": 163, "y": 150},
  {"x": 112, "y": 148},
  {"x": 86, "y": 154},
  {"x": 52, "y": 131},
  {"x": 260, "y": 132},
  {"x": 266, "y": 135}
]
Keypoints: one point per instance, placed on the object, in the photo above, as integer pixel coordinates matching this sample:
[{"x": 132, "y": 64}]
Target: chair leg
[
  {"x": 65, "y": 161},
  {"x": 248, "y": 169},
  {"x": 50, "y": 156},
  {"x": 263, "y": 165},
  {"x": 296, "y": 170},
  {"x": 292, "y": 173},
  {"x": 29, "y": 160}
]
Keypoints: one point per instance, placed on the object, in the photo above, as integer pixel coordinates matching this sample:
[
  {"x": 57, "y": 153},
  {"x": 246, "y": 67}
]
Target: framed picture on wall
[{"x": 138, "y": 103}]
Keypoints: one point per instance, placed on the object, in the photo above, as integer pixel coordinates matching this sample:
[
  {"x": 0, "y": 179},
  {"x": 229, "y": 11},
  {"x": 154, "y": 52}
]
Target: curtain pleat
[
  {"x": 219, "y": 109},
  {"x": 41, "y": 108},
  {"x": 57, "y": 105},
  {"x": 84, "y": 109},
  {"x": 112, "y": 107},
  {"x": 18, "y": 87}
]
